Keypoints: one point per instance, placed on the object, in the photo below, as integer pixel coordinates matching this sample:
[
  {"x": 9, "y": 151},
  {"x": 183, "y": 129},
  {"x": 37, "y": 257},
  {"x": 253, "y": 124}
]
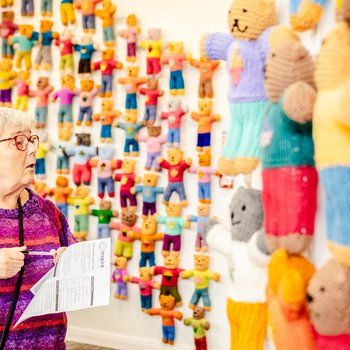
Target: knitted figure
[
  {"x": 154, "y": 142},
  {"x": 205, "y": 119},
  {"x": 247, "y": 256},
  {"x": 328, "y": 295},
  {"x": 152, "y": 94},
  {"x": 88, "y": 91},
  {"x": 65, "y": 95},
  {"x": 131, "y": 84},
  {"x": 7, "y": 80},
  {"x": 105, "y": 165},
  {"x": 289, "y": 175},
  {"x": 342, "y": 8},
  {"x": 203, "y": 217},
  {"x": 81, "y": 201},
  {"x": 107, "y": 66},
  {"x": 47, "y": 36},
  {"x": 120, "y": 277},
  {"x": 87, "y": 8},
  {"x": 201, "y": 276},
  {"x": 176, "y": 59},
  {"x": 46, "y": 8},
  {"x": 7, "y": 28},
  {"x": 149, "y": 192},
  {"x": 128, "y": 179},
  {"x": 176, "y": 167},
  {"x": 332, "y": 75},
  {"x": 305, "y": 14},
  {"x": 153, "y": 46},
  {"x": 106, "y": 14},
  {"x": 206, "y": 71},
  {"x": 82, "y": 153},
  {"x": 40, "y": 188},
  {"x": 61, "y": 193},
  {"x": 130, "y": 34},
  {"x": 104, "y": 214},
  {"x": 289, "y": 275},
  {"x": 62, "y": 163},
  {"x": 204, "y": 171},
  {"x": 148, "y": 237},
  {"x": 168, "y": 314},
  {"x": 170, "y": 275},
  {"x": 6, "y": 3},
  {"x": 40, "y": 155},
  {"x": 86, "y": 47},
  {"x": 200, "y": 325},
  {"x": 107, "y": 116},
  {"x": 27, "y": 8},
  {"x": 22, "y": 83},
  {"x": 65, "y": 43},
  {"x": 174, "y": 224},
  {"x": 131, "y": 128},
  {"x": 67, "y": 12},
  {"x": 174, "y": 115},
  {"x": 124, "y": 246}
]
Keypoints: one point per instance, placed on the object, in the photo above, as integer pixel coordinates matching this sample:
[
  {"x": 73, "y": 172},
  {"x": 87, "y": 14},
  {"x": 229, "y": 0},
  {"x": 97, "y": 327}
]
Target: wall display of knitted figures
[
  {"x": 106, "y": 14},
  {"x": 87, "y": 9},
  {"x": 289, "y": 175},
  {"x": 46, "y": 8},
  {"x": 66, "y": 46},
  {"x": 120, "y": 277},
  {"x": 67, "y": 12},
  {"x": 7, "y": 28},
  {"x": 7, "y": 81},
  {"x": 200, "y": 325},
  {"x": 104, "y": 215},
  {"x": 88, "y": 91},
  {"x": 86, "y": 47},
  {"x": 22, "y": 83},
  {"x": 61, "y": 193},
  {"x": 27, "y": 8}
]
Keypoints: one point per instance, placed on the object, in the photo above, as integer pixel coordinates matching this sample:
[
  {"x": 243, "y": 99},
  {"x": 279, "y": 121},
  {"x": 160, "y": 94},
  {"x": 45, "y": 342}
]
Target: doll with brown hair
[{"x": 200, "y": 325}]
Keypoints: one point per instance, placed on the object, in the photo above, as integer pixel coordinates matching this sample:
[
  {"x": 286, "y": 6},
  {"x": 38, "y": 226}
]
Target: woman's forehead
[{"x": 13, "y": 130}]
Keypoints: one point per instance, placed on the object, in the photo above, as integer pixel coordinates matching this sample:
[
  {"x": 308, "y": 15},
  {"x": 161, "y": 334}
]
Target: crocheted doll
[
  {"x": 46, "y": 8},
  {"x": 289, "y": 174},
  {"x": 104, "y": 214},
  {"x": 107, "y": 117},
  {"x": 22, "y": 83},
  {"x": 200, "y": 325},
  {"x": 149, "y": 192},
  {"x": 168, "y": 314},
  {"x": 174, "y": 115},
  {"x": 61, "y": 193},
  {"x": 174, "y": 224},
  {"x": 88, "y": 91},
  {"x": 105, "y": 165},
  {"x": 40, "y": 155},
  {"x": 154, "y": 142},
  {"x": 152, "y": 94},
  {"x": 107, "y": 66},
  {"x": 124, "y": 246},
  {"x": 130, "y": 34},
  {"x": 67, "y": 12},
  {"x": 87, "y": 8},
  {"x": 86, "y": 47},
  {"x": 247, "y": 256},
  {"x": 331, "y": 135},
  {"x": 176, "y": 167},
  {"x": 148, "y": 237},
  {"x": 7, "y": 80},
  {"x": 6, "y": 3},
  {"x": 7, "y": 28},
  {"x": 40, "y": 188},
  {"x": 131, "y": 84},
  {"x": 65, "y": 43},
  {"x": 146, "y": 284},
  {"x": 205, "y": 119},
  {"x": 27, "y": 8},
  {"x": 106, "y": 14},
  {"x": 120, "y": 277},
  {"x": 128, "y": 179},
  {"x": 62, "y": 163},
  {"x": 153, "y": 46}
]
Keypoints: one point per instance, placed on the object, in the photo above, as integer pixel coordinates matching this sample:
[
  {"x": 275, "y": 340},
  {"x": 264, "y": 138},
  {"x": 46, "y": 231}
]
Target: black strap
[{"x": 18, "y": 283}]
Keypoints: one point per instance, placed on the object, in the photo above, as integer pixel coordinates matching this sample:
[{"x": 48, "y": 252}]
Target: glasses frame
[{"x": 29, "y": 139}]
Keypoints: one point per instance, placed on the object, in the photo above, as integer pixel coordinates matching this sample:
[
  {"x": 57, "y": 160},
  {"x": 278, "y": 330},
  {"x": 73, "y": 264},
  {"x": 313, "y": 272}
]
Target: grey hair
[{"x": 15, "y": 118}]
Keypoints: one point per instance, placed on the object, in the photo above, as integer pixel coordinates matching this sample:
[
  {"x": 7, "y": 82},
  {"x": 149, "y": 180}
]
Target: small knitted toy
[
  {"x": 104, "y": 214},
  {"x": 67, "y": 12},
  {"x": 87, "y": 8},
  {"x": 61, "y": 193},
  {"x": 174, "y": 115},
  {"x": 146, "y": 284},
  {"x": 153, "y": 46},
  {"x": 46, "y": 8},
  {"x": 174, "y": 225},
  {"x": 65, "y": 43},
  {"x": 107, "y": 65},
  {"x": 6, "y": 3},
  {"x": 176, "y": 167},
  {"x": 152, "y": 94},
  {"x": 168, "y": 314},
  {"x": 86, "y": 47},
  {"x": 106, "y": 14},
  {"x": 22, "y": 83},
  {"x": 130, "y": 34},
  {"x": 205, "y": 119},
  {"x": 7, "y": 28},
  {"x": 62, "y": 163},
  {"x": 120, "y": 277},
  {"x": 40, "y": 155},
  {"x": 7, "y": 80},
  {"x": 88, "y": 91},
  {"x": 289, "y": 174},
  {"x": 107, "y": 116},
  {"x": 149, "y": 192},
  {"x": 154, "y": 142},
  {"x": 40, "y": 188},
  {"x": 200, "y": 325},
  {"x": 27, "y": 8}
]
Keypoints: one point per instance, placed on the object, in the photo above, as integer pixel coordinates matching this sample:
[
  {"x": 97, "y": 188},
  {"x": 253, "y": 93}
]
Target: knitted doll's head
[
  {"x": 5, "y": 65},
  {"x": 287, "y": 64},
  {"x": 42, "y": 83},
  {"x": 145, "y": 274},
  {"x": 131, "y": 20},
  {"x": 107, "y": 105},
  {"x": 66, "y": 34},
  {"x": 171, "y": 261},
  {"x": 150, "y": 179},
  {"x": 83, "y": 139},
  {"x": 154, "y": 34},
  {"x": 176, "y": 47},
  {"x": 129, "y": 218},
  {"x": 203, "y": 210},
  {"x": 198, "y": 313},
  {"x": 81, "y": 192},
  {"x": 23, "y": 75},
  {"x": 174, "y": 209},
  {"x": 7, "y": 16},
  {"x": 107, "y": 5},
  {"x": 67, "y": 82},
  {"x": 121, "y": 262},
  {"x": 246, "y": 214},
  {"x": 204, "y": 107},
  {"x": 26, "y": 30},
  {"x": 108, "y": 54},
  {"x": 86, "y": 39},
  {"x": 61, "y": 181},
  {"x": 204, "y": 159},
  {"x": 130, "y": 116},
  {"x": 154, "y": 131},
  {"x": 329, "y": 299},
  {"x": 201, "y": 262},
  {"x": 105, "y": 205},
  {"x": 152, "y": 83},
  {"x": 45, "y": 25},
  {"x": 65, "y": 133},
  {"x": 149, "y": 226},
  {"x": 247, "y": 19},
  {"x": 128, "y": 166},
  {"x": 133, "y": 71},
  {"x": 174, "y": 104},
  {"x": 39, "y": 187},
  {"x": 106, "y": 152},
  {"x": 175, "y": 156},
  {"x": 86, "y": 85},
  {"x": 167, "y": 302}
]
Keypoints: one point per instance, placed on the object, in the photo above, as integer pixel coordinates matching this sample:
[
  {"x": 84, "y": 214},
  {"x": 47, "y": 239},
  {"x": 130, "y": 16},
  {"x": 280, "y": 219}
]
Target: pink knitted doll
[
  {"x": 22, "y": 83},
  {"x": 130, "y": 34}
]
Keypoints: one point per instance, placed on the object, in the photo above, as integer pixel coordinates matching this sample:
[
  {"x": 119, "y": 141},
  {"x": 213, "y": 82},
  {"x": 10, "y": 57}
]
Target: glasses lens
[{"x": 21, "y": 142}]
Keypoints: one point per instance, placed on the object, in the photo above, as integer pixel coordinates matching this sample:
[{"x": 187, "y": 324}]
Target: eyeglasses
[{"x": 22, "y": 141}]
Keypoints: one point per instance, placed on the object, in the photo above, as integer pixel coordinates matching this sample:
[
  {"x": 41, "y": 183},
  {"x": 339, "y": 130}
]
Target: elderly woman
[{"x": 43, "y": 227}]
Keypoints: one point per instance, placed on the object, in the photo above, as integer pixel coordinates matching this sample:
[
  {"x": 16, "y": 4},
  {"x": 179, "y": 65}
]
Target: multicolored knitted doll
[
  {"x": 22, "y": 83},
  {"x": 107, "y": 65},
  {"x": 27, "y": 8},
  {"x": 87, "y": 8},
  {"x": 176, "y": 167},
  {"x": 154, "y": 142},
  {"x": 104, "y": 214},
  {"x": 65, "y": 43},
  {"x": 62, "y": 163},
  {"x": 40, "y": 155},
  {"x": 120, "y": 277},
  {"x": 86, "y": 47},
  {"x": 289, "y": 175},
  {"x": 153, "y": 46},
  {"x": 46, "y": 8},
  {"x": 7, "y": 80},
  {"x": 61, "y": 193},
  {"x": 106, "y": 14},
  {"x": 7, "y": 28},
  {"x": 88, "y": 91},
  {"x": 174, "y": 115},
  {"x": 200, "y": 325},
  {"x": 67, "y": 12},
  {"x": 130, "y": 34}
]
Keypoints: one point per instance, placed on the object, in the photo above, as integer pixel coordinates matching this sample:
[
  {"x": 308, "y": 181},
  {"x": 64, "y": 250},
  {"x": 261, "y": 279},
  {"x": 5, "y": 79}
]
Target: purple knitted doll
[{"x": 120, "y": 277}]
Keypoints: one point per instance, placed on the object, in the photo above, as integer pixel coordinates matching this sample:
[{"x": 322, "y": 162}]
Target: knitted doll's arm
[
  {"x": 188, "y": 321},
  {"x": 158, "y": 237},
  {"x": 195, "y": 63},
  {"x": 218, "y": 239},
  {"x": 153, "y": 312},
  {"x": 186, "y": 274},
  {"x": 214, "y": 46},
  {"x": 195, "y": 116},
  {"x": 122, "y": 80}
]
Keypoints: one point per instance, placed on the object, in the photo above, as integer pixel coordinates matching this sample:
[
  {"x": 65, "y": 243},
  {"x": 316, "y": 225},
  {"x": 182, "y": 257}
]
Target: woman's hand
[
  {"x": 11, "y": 261},
  {"x": 57, "y": 253}
]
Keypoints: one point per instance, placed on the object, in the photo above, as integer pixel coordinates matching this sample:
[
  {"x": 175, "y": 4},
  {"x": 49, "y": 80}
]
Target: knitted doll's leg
[
  {"x": 77, "y": 171},
  {"x": 86, "y": 174}
]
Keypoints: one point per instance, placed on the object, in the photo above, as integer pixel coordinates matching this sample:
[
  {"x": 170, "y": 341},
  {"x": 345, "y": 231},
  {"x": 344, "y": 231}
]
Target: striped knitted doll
[{"x": 289, "y": 174}]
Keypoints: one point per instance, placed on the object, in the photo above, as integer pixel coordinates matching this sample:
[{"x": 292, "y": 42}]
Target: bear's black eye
[
  {"x": 243, "y": 208},
  {"x": 244, "y": 10},
  {"x": 322, "y": 289}
]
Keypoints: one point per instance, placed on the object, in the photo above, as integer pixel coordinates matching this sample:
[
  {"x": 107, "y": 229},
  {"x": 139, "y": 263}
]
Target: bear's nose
[{"x": 309, "y": 298}]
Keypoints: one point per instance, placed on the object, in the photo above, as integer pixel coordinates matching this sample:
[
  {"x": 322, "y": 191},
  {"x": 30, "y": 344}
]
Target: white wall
[{"x": 121, "y": 324}]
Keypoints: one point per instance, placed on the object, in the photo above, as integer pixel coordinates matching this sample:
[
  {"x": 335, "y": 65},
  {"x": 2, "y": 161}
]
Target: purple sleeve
[{"x": 216, "y": 45}]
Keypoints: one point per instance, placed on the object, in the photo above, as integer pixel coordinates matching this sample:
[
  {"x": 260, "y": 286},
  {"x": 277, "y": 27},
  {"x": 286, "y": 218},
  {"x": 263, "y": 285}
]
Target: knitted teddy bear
[
  {"x": 8, "y": 27},
  {"x": 199, "y": 325},
  {"x": 65, "y": 43},
  {"x": 130, "y": 34},
  {"x": 88, "y": 90},
  {"x": 289, "y": 174}
]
